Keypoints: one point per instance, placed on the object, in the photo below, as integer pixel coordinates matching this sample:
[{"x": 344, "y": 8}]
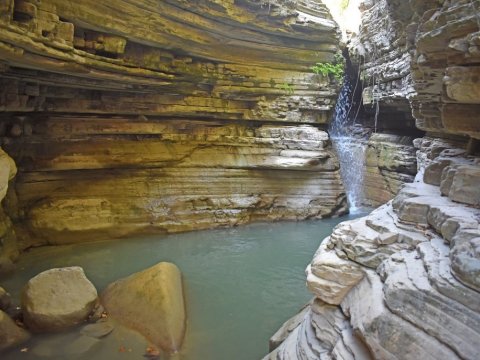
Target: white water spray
[{"x": 349, "y": 144}]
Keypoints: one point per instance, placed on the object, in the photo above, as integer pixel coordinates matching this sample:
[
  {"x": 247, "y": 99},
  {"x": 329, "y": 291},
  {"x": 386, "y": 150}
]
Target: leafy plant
[
  {"x": 344, "y": 4},
  {"x": 289, "y": 89},
  {"x": 336, "y": 68}
]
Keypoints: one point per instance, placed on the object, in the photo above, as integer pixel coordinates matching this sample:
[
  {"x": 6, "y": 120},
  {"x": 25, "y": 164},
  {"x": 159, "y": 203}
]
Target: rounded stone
[{"x": 57, "y": 299}]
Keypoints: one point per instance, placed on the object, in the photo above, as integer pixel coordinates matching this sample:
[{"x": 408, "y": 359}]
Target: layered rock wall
[
  {"x": 445, "y": 69},
  {"x": 139, "y": 116},
  {"x": 417, "y": 63},
  {"x": 403, "y": 282},
  {"x": 137, "y": 175},
  {"x": 389, "y": 163}
]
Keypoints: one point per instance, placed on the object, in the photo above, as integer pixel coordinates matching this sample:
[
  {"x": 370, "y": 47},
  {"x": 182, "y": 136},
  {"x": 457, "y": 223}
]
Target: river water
[{"x": 241, "y": 284}]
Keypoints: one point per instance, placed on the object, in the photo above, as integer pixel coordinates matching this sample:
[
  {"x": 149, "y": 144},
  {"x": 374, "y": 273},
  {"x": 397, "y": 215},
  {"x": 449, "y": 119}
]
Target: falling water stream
[{"x": 349, "y": 143}]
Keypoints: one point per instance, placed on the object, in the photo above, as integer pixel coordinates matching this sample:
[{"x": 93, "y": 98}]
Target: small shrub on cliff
[
  {"x": 344, "y": 4},
  {"x": 289, "y": 89},
  {"x": 336, "y": 68}
]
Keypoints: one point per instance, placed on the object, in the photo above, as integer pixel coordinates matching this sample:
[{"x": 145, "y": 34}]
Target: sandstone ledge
[{"x": 139, "y": 176}]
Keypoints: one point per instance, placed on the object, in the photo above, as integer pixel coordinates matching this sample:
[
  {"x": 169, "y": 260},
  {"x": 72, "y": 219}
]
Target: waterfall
[{"x": 349, "y": 141}]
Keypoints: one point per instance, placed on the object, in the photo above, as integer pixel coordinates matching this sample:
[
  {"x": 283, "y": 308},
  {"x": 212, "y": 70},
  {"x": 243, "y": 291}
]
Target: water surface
[{"x": 241, "y": 284}]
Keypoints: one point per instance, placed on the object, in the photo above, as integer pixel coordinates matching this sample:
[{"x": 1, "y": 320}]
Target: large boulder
[
  {"x": 57, "y": 299},
  {"x": 151, "y": 302},
  {"x": 10, "y": 334},
  {"x": 8, "y": 170}
]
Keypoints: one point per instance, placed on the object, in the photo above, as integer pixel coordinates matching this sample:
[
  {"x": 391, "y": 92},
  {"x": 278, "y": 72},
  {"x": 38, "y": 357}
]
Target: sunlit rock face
[{"x": 140, "y": 116}]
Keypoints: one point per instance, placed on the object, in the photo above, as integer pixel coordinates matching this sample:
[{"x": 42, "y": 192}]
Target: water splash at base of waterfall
[{"x": 351, "y": 155}]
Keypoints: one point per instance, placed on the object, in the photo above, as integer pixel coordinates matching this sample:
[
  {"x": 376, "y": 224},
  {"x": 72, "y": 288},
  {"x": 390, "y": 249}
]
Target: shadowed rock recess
[
  {"x": 404, "y": 281},
  {"x": 145, "y": 116}
]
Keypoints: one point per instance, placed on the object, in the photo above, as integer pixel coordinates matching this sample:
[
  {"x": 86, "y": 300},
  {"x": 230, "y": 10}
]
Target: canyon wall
[
  {"x": 403, "y": 282},
  {"x": 382, "y": 51},
  {"x": 163, "y": 116}
]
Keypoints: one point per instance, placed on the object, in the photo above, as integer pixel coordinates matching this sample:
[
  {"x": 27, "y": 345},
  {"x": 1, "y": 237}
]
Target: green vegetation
[
  {"x": 289, "y": 89},
  {"x": 336, "y": 68},
  {"x": 344, "y": 4}
]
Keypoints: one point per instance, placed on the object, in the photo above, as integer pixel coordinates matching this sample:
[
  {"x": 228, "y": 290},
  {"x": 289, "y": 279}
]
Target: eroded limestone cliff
[
  {"x": 139, "y": 116},
  {"x": 403, "y": 282}
]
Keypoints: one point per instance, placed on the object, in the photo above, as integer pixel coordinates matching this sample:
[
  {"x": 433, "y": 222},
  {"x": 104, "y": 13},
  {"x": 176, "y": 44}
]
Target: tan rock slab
[{"x": 151, "y": 302}]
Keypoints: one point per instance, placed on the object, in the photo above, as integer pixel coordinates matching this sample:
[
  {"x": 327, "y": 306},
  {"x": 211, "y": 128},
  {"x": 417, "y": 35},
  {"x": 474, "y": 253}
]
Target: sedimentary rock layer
[
  {"x": 139, "y": 116},
  {"x": 446, "y": 69},
  {"x": 382, "y": 51},
  {"x": 138, "y": 175},
  {"x": 424, "y": 53},
  {"x": 389, "y": 163},
  {"x": 215, "y": 58}
]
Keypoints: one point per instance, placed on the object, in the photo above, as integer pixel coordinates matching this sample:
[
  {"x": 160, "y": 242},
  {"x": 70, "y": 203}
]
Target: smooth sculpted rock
[
  {"x": 322, "y": 332},
  {"x": 151, "y": 302},
  {"x": 57, "y": 299},
  {"x": 5, "y": 299},
  {"x": 10, "y": 334},
  {"x": 330, "y": 277},
  {"x": 8, "y": 241}
]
